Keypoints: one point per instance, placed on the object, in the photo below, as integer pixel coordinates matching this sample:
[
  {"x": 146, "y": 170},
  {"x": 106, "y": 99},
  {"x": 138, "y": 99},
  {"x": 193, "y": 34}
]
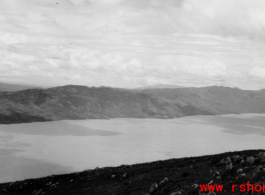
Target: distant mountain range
[
  {"x": 13, "y": 87},
  {"x": 80, "y": 102},
  {"x": 162, "y": 87}
]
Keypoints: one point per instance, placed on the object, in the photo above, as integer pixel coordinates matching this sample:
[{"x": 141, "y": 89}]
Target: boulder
[
  {"x": 239, "y": 171},
  {"x": 211, "y": 193},
  {"x": 260, "y": 154},
  {"x": 153, "y": 188},
  {"x": 258, "y": 170},
  {"x": 195, "y": 186},
  {"x": 261, "y": 157},
  {"x": 163, "y": 182},
  {"x": 229, "y": 166},
  {"x": 250, "y": 160},
  {"x": 228, "y": 161},
  {"x": 222, "y": 161},
  {"x": 236, "y": 158},
  {"x": 219, "y": 178},
  {"x": 166, "y": 179},
  {"x": 215, "y": 173},
  {"x": 242, "y": 175},
  {"x": 176, "y": 193}
]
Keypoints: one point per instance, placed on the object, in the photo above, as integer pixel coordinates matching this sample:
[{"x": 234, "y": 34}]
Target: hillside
[
  {"x": 80, "y": 102},
  {"x": 181, "y": 176}
]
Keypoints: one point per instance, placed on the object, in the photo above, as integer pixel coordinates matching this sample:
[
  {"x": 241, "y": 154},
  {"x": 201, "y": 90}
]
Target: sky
[{"x": 133, "y": 43}]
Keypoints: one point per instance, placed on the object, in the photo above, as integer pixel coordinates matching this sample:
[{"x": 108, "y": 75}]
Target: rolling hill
[{"x": 183, "y": 176}]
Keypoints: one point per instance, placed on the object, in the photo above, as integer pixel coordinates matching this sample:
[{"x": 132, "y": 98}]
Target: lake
[{"x": 44, "y": 148}]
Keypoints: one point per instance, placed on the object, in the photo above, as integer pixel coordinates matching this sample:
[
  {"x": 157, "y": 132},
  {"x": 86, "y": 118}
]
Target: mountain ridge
[{"x": 82, "y": 102}]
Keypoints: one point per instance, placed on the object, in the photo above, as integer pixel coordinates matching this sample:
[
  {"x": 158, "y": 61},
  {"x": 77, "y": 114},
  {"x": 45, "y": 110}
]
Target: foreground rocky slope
[
  {"x": 169, "y": 177},
  {"x": 80, "y": 102}
]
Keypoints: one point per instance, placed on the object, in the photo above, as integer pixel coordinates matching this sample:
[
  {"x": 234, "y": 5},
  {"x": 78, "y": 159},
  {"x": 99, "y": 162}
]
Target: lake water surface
[{"x": 39, "y": 149}]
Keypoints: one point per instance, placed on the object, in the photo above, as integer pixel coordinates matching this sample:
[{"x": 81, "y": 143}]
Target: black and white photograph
[{"x": 132, "y": 97}]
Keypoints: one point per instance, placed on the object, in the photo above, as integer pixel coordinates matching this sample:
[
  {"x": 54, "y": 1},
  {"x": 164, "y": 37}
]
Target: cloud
[
  {"x": 11, "y": 38},
  {"x": 107, "y": 63},
  {"x": 215, "y": 68},
  {"x": 215, "y": 17},
  {"x": 258, "y": 71},
  {"x": 106, "y": 1},
  {"x": 226, "y": 17},
  {"x": 192, "y": 65},
  {"x": 143, "y": 41},
  {"x": 79, "y": 2}
]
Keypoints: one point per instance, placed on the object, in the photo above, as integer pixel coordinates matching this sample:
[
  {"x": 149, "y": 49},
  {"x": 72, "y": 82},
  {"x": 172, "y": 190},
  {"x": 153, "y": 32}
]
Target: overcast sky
[{"x": 133, "y": 43}]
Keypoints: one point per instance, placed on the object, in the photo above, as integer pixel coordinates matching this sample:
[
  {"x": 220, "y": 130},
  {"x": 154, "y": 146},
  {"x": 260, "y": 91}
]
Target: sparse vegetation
[{"x": 174, "y": 176}]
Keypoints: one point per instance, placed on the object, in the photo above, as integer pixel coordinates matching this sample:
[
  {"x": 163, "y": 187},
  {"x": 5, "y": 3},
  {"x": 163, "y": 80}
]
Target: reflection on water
[{"x": 40, "y": 149}]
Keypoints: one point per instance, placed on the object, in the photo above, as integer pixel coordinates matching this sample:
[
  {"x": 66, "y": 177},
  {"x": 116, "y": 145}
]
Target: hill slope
[
  {"x": 80, "y": 102},
  {"x": 183, "y": 175}
]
